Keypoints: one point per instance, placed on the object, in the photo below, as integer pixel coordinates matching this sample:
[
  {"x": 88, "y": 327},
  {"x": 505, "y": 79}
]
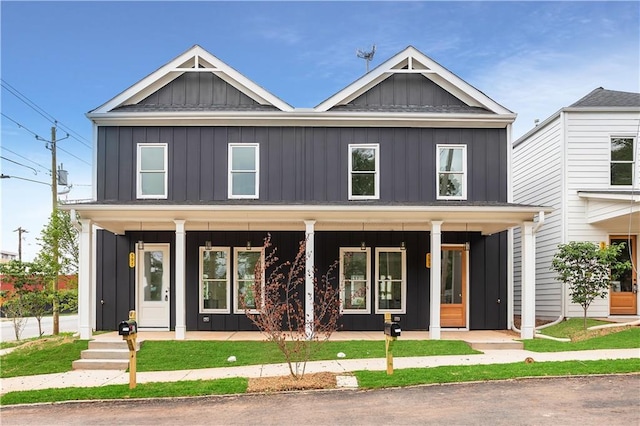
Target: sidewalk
[{"x": 93, "y": 378}]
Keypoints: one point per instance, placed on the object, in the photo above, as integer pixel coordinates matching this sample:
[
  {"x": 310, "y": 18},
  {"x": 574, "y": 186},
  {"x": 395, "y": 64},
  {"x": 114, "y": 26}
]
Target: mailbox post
[
  {"x": 391, "y": 333},
  {"x": 129, "y": 332}
]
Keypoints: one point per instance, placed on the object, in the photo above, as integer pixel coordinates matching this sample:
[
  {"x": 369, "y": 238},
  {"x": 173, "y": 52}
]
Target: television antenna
[{"x": 366, "y": 55}]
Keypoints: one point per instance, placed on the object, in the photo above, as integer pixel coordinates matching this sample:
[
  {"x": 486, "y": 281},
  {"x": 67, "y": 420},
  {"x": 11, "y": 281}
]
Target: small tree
[
  {"x": 587, "y": 270},
  {"x": 274, "y": 305}
]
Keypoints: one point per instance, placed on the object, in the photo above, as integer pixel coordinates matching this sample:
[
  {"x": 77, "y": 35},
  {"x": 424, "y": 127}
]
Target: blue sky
[{"x": 71, "y": 57}]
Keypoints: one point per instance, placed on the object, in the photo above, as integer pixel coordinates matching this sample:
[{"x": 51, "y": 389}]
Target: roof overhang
[
  {"x": 613, "y": 209},
  {"x": 486, "y": 219}
]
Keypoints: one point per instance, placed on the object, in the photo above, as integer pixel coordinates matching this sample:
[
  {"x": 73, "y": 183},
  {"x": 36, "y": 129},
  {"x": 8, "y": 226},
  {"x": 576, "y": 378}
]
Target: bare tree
[{"x": 276, "y": 307}]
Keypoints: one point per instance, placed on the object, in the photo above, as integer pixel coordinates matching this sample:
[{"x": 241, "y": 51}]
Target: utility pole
[
  {"x": 20, "y": 231},
  {"x": 54, "y": 215}
]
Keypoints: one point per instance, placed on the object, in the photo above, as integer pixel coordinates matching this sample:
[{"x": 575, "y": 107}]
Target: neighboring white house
[{"x": 583, "y": 161}]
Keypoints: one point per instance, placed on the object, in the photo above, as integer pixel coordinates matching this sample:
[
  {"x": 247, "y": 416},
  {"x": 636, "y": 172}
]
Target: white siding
[{"x": 537, "y": 176}]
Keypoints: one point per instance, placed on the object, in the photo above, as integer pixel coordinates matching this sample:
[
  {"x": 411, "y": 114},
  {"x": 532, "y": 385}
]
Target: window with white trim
[
  {"x": 152, "y": 170},
  {"x": 245, "y": 275},
  {"x": 244, "y": 170},
  {"x": 391, "y": 282},
  {"x": 364, "y": 172},
  {"x": 622, "y": 164},
  {"x": 355, "y": 281},
  {"x": 215, "y": 280},
  {"x": 451, "y": 166}
]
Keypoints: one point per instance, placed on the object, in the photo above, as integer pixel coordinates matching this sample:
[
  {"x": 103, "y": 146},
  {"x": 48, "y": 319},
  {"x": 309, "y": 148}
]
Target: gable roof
[
  {"x": 412, "y": 61},
  {"x": 608, "y": 98},
  {"x": 195, "y": 59}
]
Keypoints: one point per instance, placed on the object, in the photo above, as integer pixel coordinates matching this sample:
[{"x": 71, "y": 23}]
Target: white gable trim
[
  {"x": 194, "y": 56},
  {"x": 417, "y": 63}
]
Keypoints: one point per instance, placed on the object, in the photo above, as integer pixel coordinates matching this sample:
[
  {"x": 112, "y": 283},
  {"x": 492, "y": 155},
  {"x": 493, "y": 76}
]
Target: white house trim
[
  {"x": 180, "y": 283},
  {"x": 85, "y": 281},
  {"x": 436, "y": 244}
]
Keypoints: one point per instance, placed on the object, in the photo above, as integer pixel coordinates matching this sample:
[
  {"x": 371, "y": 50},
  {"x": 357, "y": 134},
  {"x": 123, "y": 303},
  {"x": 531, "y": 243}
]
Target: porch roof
[{"x": 485, "y": 217}]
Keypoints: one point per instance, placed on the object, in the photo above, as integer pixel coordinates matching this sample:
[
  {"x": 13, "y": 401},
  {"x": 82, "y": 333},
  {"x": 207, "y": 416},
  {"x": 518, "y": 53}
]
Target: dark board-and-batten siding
[{"x": 301, "y": 164}]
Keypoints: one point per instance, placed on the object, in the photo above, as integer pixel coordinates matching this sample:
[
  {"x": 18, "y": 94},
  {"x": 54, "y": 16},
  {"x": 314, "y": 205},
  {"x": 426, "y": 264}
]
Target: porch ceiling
[{"x": 486, "y": 219}]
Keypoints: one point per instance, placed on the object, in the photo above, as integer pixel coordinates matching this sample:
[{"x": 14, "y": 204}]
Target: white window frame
[
  {"x": 464, "y": 172},
  {"x": 632, "y": 162},
  {"x": 403, "y": 283},
  {"x": 203, "y": 310},
  {"x": 367, "y": 309},
  {"x": 139, "y": 171},
  {"x": 256, "y": 193},
  {"x": 376, "y": 172},
  {"x": 236, "y": 285}
]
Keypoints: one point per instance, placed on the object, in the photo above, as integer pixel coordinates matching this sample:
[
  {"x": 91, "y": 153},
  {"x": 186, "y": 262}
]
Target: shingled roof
[{"x": 608, "y": 98}]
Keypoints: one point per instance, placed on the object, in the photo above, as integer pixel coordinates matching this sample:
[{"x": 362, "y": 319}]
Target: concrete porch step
[
  {"x": 100, "y": 364},
  {"x": 105, "y": 355},
  {"x": 112, "y": 344},
  {"x": 479, "y": 346}
]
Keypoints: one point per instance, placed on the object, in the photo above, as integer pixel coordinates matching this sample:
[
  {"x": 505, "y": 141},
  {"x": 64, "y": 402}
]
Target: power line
[
  {"x": 43, "y": 168},
  {"x": 74, "y": 156},
  {"x": 35, "y": 172},
  {"x": 23, "y": 127}
]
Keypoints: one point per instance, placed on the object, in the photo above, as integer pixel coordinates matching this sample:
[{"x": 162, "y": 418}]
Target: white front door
[{"x": 152, "y": 276}]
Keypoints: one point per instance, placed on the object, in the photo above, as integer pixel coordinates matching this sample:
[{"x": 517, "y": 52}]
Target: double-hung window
[
  {"x": 391, "y": 283},
  {"x": 214, "y": 280},
  {"x": 152, "y": 170},
  {"x": 451, "y": 166},
  {"x": 622, "y": 164},
  {"x": 245, "y": 278},
  {"x": 244, "y": 170},
  {"x": 364, "y": 172},
  {"x": 355, "y": 281}
]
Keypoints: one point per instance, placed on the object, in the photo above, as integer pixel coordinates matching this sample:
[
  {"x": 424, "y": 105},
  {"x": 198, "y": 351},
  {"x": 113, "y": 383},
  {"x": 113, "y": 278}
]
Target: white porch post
[
  {"x": 309, "y": 271},
  {"x": 181, "y": 327},
  {"x": 436, "y": 243},
  {"x": 85, "y": 272},
  {"x": 528, "y": 314}
]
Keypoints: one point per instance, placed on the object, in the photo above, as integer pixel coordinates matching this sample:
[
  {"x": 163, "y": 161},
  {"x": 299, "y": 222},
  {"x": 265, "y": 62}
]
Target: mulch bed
[{"x": 289, "y": 383}]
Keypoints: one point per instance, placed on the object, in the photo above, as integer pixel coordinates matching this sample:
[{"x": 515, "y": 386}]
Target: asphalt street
[
  {"x": 68, "y": 323},
  {"x": 583, "y": 401}
]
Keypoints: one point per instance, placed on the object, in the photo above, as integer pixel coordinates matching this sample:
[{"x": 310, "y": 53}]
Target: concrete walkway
[{"x": 88, "y": 378}]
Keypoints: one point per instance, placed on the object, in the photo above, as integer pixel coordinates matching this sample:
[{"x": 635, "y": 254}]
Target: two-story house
[
  {"x": 195, "y": 164},
  {"x": 584, "y": 162}
]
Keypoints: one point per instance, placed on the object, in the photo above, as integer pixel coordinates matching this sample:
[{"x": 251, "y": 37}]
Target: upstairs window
[
  {"x": 152, "y": 170},
  {"x": 622, "y": 150},
  {"x": 452, "y": 172},
  {"x": 364, "y": 172},
  {"x": 243, "y": 170}
]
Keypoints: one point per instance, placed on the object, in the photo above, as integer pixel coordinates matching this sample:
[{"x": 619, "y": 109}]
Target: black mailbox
[
  {"x": 127, "y": 328},
  {"x": 392, "y": 329}
]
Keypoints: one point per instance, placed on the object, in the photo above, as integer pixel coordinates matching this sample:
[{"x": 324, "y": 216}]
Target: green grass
[
  {"x": 467, "y": 373},
  {"x": 571, "y": 327},
  {"x": 143, "y": 390},
  {"x": 186, "y": 355},
  {"x": 42, "y": 356},
  {"x": 625, "y": 339}
]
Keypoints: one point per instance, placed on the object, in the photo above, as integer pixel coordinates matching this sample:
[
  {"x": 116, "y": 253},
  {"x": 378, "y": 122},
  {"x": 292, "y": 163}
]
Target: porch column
[
  {"x": 436, "y": 243},
  {"x": 309, "y": 271},
  {"x": 528, "y": 303},
  {"x": 181, "y": 327},
  {"x": 85, "y": 273}
]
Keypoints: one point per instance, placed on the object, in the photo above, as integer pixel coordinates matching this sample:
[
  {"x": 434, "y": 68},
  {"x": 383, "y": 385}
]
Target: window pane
[
  {"x": 390, "y": 265},
  {"x": 214, "y": 265},
  {"x": 450, "y": 159},
  {"x": 152, "y": 158},
  {"x": 621, "y": 149},
  {"x": 355, "y": 265},
  {"x": 243, "y": 158},
  {"x": 247, "y": 261},
  {"x": 214, "y": 294},
  {"x": 355, "y": 294},
  {"x": 621, "y": 173},
  {"x": 363, "y": 184},
  {"x": 451, "y": 277},
  {"x": 450, "y": 184},
  {"x": 389, "y": 294},
  {"x": 243, "y": 183},
  {"x": 152, "y": 183},
  {"x": 363, "y": 159},
  {"x": 153, "y": 274}
]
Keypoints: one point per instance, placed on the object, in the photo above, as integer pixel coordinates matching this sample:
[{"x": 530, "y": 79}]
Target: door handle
[
  {"x": 166, "y": 295},
  {"x": 635, "y": 289}
]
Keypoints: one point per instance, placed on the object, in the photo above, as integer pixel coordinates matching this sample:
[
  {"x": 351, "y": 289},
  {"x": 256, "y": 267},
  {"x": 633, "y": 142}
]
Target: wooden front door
[
  {"x": 624, "y": 289},
  {"x": 453, "y": 287}
]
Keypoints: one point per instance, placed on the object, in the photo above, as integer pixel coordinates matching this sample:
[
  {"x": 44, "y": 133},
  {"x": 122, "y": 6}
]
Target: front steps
[{"x": 105, "y": 355}]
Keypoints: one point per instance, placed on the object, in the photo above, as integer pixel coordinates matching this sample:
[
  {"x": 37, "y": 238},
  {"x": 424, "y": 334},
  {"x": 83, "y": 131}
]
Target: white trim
[
  {"x": 376, "y": 172},
  {"x": 140, "y": 147},
  {"x": 256, "y": 171},
  {"x": 202, "y": 309},
  {"x": 180, "y": 279},
  {"x": 367, "y": 280},
  {"x": 465, "y": 179},
  {"x": 85, "y": 279},
  {"x": 236, "y": 286},
  {"x": 309, "y": 280},
  {"x": 435, "y": 278},
  {"x": 403, "y": 280},
  {"x": 94, "y": 166}
]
